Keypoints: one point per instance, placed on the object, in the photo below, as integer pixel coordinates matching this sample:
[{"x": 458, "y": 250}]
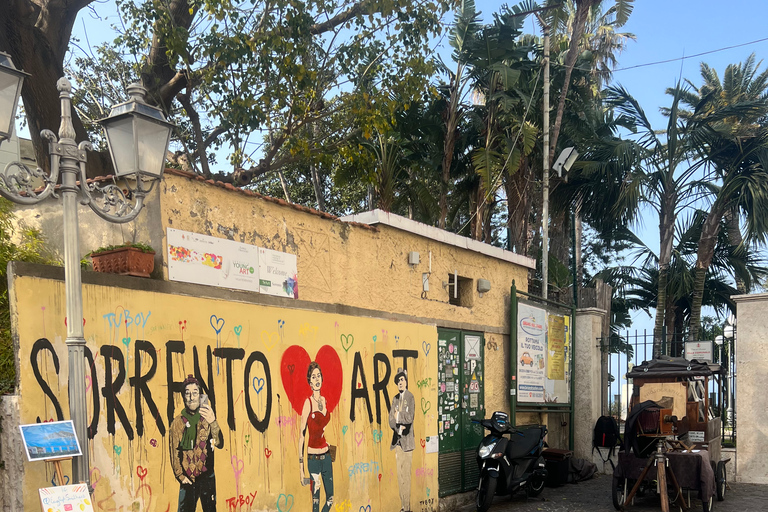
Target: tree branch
[{"x": 339, "y": 19}]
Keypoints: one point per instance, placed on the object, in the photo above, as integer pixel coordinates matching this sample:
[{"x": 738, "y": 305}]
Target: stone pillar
[
  {"x": 11, "y": 455},
  {"x": 588, "y": 379},
  {"x": 751, "y": 410}
]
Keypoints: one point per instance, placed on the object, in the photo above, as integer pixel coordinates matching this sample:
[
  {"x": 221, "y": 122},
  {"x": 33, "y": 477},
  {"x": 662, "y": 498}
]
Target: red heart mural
[{"x": 293, "y": 371}]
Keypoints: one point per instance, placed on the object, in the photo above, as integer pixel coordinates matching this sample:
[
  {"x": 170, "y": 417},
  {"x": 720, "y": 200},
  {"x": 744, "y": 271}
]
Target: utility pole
[{"x": 545, "y": 165}]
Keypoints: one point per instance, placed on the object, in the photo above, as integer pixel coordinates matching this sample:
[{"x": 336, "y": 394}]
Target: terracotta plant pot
[{"x": 127, "y": 261}]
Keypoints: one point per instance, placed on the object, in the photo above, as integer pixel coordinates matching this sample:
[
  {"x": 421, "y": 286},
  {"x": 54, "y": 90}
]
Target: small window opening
[{"x": 464, "y": 296}]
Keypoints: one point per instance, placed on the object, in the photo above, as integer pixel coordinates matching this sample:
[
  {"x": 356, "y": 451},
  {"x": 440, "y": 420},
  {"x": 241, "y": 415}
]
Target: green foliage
[
  {"x": 272, "y": 78},
  {"x": 136, "y": 245},
  {"x": 31, "y": 248}
]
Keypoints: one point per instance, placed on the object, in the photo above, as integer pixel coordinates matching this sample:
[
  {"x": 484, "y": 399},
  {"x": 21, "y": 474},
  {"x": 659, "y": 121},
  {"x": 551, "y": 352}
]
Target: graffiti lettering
[
  {"x": 259, "y": 424},
  {"x": 112, "y": 353},
  {"x": 239, "y": 501},
  {"x": 285, "y": 421},
  {"x": 424, "y": 383},
  {"x": 359, "y": 391},
  {"x": 343, "y": 506},
  {"x": 139, "y": 320},
  {"x": 380, "y": 383},
  {"x": 39, "y": 346},
  {"x": 139, "y": 383},
  {"x": 363, "y": 467},
  {"x": 424, "y": 472},
  {"x": 230, "y": 354}
]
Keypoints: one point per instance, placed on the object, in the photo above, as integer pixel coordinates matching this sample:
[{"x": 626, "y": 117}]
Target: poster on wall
[
  {"x": 277, "y": 273},
  {"x": 50, "y": 440},
  {"x": 202, "y": 259},
  {"x": 531, "y": 353},
  {"x": 556, "y": 348}
]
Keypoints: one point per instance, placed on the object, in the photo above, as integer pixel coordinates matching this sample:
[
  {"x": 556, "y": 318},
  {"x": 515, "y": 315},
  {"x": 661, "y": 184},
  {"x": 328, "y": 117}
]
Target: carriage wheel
[{"x": 721, "y": 481}]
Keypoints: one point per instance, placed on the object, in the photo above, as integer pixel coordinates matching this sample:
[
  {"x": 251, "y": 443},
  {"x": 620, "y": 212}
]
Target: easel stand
[
  {"x": 659, "y": 459},
  {"x": 57, "y": 466}
]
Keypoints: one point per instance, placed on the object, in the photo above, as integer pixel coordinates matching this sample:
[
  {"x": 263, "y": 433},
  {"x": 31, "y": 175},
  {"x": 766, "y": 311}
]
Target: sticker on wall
[{"x": 472, "y": 347}]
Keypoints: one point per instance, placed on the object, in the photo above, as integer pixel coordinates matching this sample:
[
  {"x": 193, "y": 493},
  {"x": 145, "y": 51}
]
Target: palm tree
[
  {"x": 733, "y": 141},
  {"x": 657, "y": 181}
]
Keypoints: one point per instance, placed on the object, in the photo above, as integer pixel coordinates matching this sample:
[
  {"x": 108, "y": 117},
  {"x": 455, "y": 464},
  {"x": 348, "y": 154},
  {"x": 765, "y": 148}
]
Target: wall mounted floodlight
[{"x": 565, "y": 161}]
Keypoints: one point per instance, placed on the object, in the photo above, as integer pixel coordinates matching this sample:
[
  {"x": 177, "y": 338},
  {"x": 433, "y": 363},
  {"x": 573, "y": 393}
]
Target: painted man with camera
[{"x": 193, "y": 436}]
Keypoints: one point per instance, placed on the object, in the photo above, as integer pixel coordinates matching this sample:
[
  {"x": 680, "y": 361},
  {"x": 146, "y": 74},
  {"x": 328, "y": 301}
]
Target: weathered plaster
[{"x": 752, "y": 381}]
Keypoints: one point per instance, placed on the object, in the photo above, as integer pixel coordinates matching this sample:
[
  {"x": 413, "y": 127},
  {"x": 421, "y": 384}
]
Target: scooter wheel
[
  {"x": 485, "y": 493},
  {"x": 619, "y": 489},
  {"x": 535, "y": 486}
]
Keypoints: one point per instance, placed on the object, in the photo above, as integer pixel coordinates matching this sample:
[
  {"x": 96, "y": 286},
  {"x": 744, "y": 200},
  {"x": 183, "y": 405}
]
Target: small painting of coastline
[{"x": 54, "y": 440}]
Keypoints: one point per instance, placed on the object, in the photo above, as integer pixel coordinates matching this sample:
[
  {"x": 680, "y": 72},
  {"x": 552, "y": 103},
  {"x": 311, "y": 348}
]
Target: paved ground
[{"x": 595, "y": 496}]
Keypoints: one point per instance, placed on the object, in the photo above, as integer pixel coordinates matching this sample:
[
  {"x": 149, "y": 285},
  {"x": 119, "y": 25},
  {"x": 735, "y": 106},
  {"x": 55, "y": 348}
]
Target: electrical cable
[{"x": 692, "y": 56}]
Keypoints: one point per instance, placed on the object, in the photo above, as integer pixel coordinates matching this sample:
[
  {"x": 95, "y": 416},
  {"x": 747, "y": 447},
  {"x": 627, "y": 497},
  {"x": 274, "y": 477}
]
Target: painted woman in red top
[{"x": 314, "y": 418}]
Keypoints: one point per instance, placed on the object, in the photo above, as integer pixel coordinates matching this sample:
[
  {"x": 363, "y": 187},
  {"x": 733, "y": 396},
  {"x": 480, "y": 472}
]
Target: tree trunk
[
  {"x": 37, "y": 40},
  {"x": 519, "y": 208},
  {"x": 661, "y": 300},
  {"x": 666, "y": 240},
  {"x": 451, "y": 119},
  {"x": 579, "y": 22},
  {"x": 736, "y": 240},
  {"x": 704, "y": 254}
]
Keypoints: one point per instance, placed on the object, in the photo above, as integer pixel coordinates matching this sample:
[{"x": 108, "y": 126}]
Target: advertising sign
[
  {"x": 556, "y": 348},
  {"x": 202, "y": 259},
  {"x": 277, "y": 273},
  {"x": 531, "y": 353},
  {"x": 699, "y": 350}
]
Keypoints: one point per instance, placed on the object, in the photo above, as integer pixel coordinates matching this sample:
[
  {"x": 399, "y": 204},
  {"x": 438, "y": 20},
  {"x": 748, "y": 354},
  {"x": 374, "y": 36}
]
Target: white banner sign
[
  {"x": 277, "y": 273},
  {"x": 202, "y": 259},
  {"x": 531, "y": 353},
  {"x": 698, "y": 350}
]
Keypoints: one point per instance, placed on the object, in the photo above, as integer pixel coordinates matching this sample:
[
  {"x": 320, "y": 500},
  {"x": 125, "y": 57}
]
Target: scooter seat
[{"x": 520, "y": 446}]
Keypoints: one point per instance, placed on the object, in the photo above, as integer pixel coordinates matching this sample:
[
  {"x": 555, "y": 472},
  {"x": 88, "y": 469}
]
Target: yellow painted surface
[
  {"x": 343, "y": 263},
  {"x": 145, "y": 343}
]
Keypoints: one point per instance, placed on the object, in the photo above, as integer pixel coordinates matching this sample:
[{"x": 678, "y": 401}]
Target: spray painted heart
[
  {"x": 285, "y": 502},
  {"x": 295, "y": 382},
  {"x": 238, "y": 329},
  {"x": 217, "y": 324},
  {"x": 347, "y": 340}
]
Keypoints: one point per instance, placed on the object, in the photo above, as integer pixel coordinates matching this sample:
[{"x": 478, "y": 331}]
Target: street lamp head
[
  {"x": 728, "y": 331},
  {"x": 11, "y": 80},
  {"x": 138, "y": 136},
  {"x": 718, "y": 340}
]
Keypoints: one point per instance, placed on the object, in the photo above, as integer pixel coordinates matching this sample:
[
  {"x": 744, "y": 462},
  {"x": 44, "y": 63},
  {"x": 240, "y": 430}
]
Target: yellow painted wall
[
  {"x": 346, "y": 263},
  {"x": 255, "y": 470}
]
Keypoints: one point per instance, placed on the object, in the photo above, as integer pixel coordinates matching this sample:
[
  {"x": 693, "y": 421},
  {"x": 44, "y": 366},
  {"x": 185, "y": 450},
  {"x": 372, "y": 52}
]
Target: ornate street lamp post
[{"x": 138, "y": 137}]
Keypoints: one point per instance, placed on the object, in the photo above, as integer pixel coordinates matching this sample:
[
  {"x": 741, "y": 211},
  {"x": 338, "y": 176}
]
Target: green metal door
[{"x": 460, "y": 400}]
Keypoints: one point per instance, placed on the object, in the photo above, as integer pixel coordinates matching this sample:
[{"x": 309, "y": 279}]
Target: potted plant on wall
[{"x": 130, "y": 259}]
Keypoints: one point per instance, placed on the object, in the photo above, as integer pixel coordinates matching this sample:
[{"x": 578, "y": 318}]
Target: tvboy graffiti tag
[{"x": 281, "y": 419}]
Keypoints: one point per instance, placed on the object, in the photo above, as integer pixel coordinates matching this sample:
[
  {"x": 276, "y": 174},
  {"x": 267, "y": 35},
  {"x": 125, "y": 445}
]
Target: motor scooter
[{"x": 508, "y": 464}]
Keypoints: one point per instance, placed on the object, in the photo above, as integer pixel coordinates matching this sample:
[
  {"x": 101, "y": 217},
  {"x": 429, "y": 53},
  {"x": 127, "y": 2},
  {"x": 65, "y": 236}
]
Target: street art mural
[{"x": 204, "y": 404}]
